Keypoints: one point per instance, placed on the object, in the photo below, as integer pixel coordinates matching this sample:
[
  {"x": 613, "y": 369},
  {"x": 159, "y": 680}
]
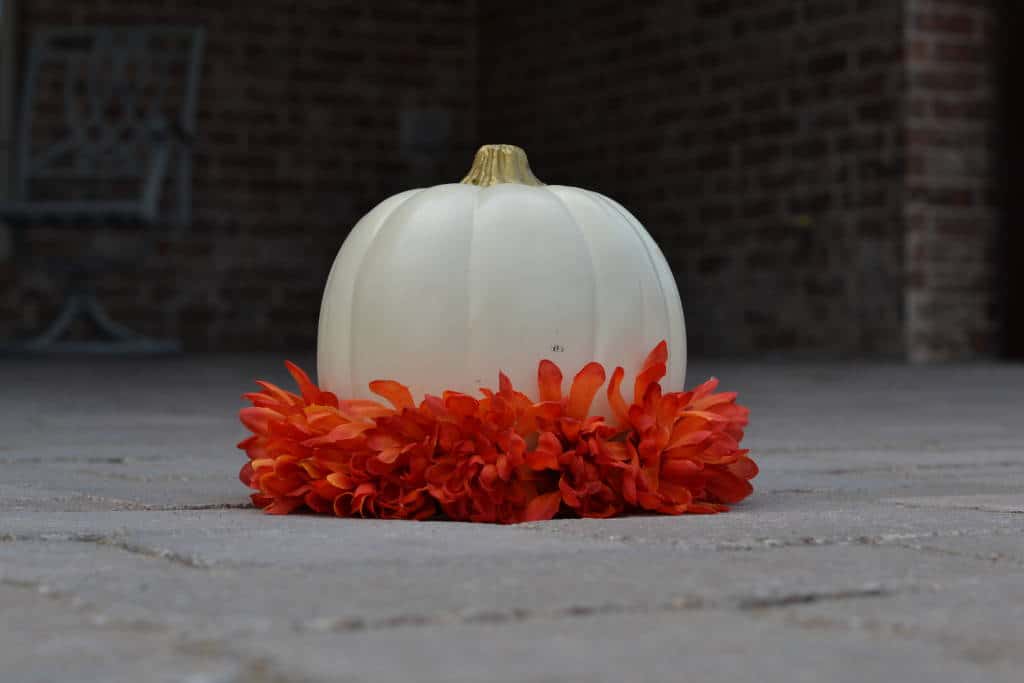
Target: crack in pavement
[
  {"x": 763, "y": 543},
  {"x": 190, "y": 561},
  {"x": 979, "y": 507},
  {"x": 811, "y": 597},
  {"x": 983, "y": 557},
  {"x": 260, "y": 668},
  {"x": 902, "y": 469},
  {"x": 901, "y": 540},
  {"x": 111, "y": 541},
  {"x": 983, "y": 651},
  {"x": 742, "y": 603},
  {"x": 248, "y": 668},
  {"x": 121, "y": 505}
]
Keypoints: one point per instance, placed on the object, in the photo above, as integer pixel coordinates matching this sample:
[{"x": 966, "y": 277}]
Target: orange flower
[{"x": 501, "y": 458}]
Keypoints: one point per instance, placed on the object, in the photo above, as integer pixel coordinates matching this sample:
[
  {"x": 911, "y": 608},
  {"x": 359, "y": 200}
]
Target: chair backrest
[{"x": 100, "y": 103}]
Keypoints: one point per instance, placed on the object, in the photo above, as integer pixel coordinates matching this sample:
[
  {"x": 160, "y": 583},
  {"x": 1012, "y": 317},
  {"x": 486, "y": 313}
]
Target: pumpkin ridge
[
  {"x": 359, "y": 268},
  {"x": 613, "y": 207}
]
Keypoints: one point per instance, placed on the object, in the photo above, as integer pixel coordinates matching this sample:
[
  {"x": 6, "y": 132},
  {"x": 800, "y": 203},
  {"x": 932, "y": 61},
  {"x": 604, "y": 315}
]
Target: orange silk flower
[{"x": 503, "y": 457}]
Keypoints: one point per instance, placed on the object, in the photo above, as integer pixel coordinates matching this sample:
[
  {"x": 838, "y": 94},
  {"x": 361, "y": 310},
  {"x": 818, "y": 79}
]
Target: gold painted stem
[{"x": 495, "y": 164}]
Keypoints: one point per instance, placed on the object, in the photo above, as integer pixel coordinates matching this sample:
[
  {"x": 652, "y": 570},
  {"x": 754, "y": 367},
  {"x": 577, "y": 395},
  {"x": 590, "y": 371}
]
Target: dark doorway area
[{"x": 1013, "y": 255}]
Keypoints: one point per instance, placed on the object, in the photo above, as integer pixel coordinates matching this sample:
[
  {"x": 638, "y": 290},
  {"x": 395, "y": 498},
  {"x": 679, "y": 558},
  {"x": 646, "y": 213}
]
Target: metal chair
[{"x": 128, "y": 115}]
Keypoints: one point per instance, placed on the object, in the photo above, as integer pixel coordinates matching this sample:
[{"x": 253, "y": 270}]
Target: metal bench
[{"x": 104, "y": 138}]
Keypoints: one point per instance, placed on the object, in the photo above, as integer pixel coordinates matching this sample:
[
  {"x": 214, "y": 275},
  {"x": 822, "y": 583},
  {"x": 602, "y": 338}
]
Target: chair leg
[
  {"x": 81, "y": 302},
  {"x": 69, "y": 311}
]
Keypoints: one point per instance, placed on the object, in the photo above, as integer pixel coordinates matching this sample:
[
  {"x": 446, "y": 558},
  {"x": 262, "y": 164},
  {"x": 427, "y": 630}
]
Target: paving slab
[
  {"x": 883, "y": 543},
  {"x": 704, "y": 646},
  {"x": 47, "y": 637},
  {"x": 425, "y": 586}
]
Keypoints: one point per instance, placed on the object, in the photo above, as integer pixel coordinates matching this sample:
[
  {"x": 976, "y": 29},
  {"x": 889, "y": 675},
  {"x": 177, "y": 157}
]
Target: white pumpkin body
[{"x": 440, "y": 288}]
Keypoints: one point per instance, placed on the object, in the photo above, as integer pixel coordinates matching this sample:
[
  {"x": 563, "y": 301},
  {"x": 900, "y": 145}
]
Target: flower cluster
[{"x": 503, "y": 457}]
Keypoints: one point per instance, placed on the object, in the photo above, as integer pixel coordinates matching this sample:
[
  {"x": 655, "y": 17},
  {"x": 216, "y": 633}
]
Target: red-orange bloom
[{"x": 501, "y": 458}]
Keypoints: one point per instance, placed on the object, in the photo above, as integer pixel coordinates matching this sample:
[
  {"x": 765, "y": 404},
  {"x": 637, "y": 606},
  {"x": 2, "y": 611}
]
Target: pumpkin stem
[{"x": 495, "y": 164}]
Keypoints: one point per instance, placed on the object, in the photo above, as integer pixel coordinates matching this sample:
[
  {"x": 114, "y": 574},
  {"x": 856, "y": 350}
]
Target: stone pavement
[{"x": 884, "y": 542}]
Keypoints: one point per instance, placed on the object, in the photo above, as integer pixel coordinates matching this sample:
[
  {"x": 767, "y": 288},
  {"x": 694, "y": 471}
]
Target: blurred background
[{"x": 826, "y": 177}]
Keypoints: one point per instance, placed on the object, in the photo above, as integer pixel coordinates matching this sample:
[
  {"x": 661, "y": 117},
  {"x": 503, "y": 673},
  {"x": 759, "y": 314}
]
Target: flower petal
[
  {"x": 310, "y": 392},
  {"x": 396, "y": 394},
  {"x": 258, "y": 420},
  {"x": 344, "y": 432},
  {"x": 543, "y": 507},
  {"x": 615, "y": 399},
  {"x": 744, "y": 467},
  {"x": 584, "y": 387},
  {"x": 726, "y": 487},
  {"x": 549, "y": 381},
  {"x": 646, "y": 379}
]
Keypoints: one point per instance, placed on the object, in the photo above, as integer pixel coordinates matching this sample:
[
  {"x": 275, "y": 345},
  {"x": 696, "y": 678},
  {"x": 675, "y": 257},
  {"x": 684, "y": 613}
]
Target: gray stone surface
[{"x": 885, "y": 542}]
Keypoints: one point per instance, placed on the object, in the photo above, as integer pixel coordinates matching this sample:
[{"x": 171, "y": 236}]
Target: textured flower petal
[
  {"x": 389, "y": 455},
  {"x": 683, "y": 437},
  {"x": 703, "y": 508},
  {"x": 543, "y": 507},
  {"x": 485, "y": 460},
  {"x": 362, "y": 409},
  {"x": 379, "y": 440},
  {"x": 728, "y": 488},
  {"x": 285, "y": 397},
  {"x": 258, "y": 420},
  {"x": 505, "y": 384},
  {"x": 344, "y": 432},
  {"x": 704, "y": 415},
  {"x": 545, "y": 456},
  {"x": 310, "y": 392},
  {"x": 584, "y": 386},
  {"x": 657, "y": 356},
  {"x": 283, "y": 506},
  {"x": 645, "y": 380},
  {"x": 713, "y": 400},
  {"x": 744, "y": 468},
  {"x": 549, "y": 381},
  {"x": 396, "y": 394},
  {"x": 705, "y": 389}
]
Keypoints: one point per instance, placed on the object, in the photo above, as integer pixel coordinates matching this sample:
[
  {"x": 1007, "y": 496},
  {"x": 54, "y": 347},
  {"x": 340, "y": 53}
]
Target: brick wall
[
  {"x": 299, "y": 135},
  {"x": 819, "y": 173},
  {"x": 953, "y": 179},
  {"x": 758, "y": 141}
]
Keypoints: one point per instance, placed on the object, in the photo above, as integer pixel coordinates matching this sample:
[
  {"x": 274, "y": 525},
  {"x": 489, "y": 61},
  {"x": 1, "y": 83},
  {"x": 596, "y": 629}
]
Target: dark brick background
[
  {"x": 820, "y": 173},
  {"x": 298, "y": 135},
  {"x": 758, "y": 141}
]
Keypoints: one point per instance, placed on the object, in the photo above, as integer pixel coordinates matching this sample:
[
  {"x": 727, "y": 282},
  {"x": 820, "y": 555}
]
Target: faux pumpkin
[{"x": 443, "y": 287}]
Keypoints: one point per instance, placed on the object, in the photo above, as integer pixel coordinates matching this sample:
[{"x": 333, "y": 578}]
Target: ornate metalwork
[{"x": 124, "y": 135}]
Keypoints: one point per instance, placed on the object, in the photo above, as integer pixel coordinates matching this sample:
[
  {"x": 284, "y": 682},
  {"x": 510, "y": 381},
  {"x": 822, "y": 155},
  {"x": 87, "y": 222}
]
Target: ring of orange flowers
[{"x": 501, "y": 458}]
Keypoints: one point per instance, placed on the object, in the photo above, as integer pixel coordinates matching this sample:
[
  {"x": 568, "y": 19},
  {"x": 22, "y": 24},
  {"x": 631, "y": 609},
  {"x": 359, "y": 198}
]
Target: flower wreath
[{"x": 503, "y": 457}]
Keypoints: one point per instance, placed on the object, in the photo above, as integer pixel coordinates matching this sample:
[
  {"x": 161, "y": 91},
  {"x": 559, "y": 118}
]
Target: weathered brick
[{"x": 950, "y": 126}]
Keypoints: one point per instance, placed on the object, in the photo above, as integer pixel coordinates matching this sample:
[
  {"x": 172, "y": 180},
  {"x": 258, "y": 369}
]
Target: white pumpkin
[{"x": 440, "y": 288}]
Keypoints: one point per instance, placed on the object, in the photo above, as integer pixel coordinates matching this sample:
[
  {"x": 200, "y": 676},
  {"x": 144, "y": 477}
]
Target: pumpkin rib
[
  {"x": 326, "y": 304},
  {"x": 649, "y": 244},
  {"x": 454, "y": 295},
  {"x": 596, "y": 350}
]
